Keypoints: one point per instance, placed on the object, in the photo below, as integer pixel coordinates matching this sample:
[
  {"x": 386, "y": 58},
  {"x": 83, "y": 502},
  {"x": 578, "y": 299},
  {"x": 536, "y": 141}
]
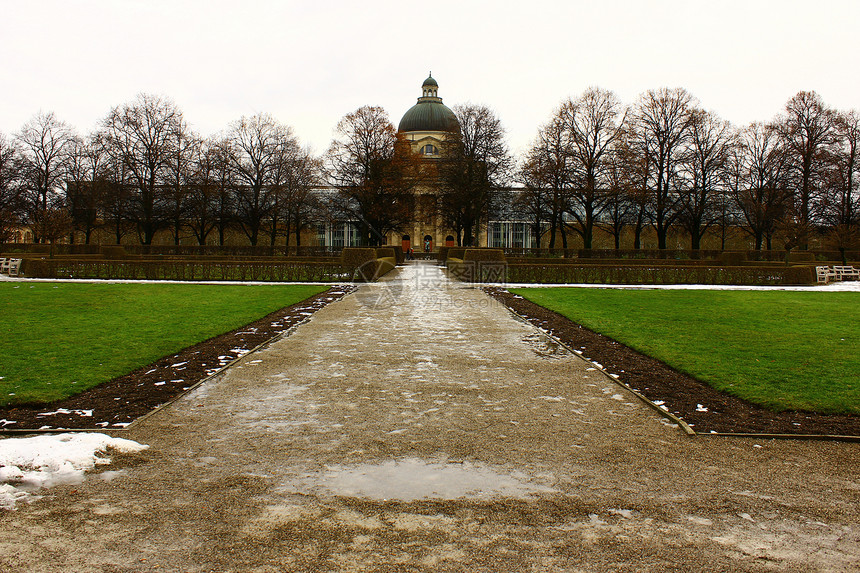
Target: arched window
[{"x": 429, "y": 150}]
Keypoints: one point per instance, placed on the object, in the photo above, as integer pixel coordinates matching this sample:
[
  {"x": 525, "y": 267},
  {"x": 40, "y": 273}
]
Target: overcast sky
[{"x": 310, "y": 63}]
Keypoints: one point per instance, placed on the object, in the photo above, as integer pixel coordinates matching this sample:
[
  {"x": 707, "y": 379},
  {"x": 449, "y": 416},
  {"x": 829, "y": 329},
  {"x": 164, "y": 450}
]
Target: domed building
[
  {"x": 427, "y": 122},
  {"x": 426, "y": 125}
]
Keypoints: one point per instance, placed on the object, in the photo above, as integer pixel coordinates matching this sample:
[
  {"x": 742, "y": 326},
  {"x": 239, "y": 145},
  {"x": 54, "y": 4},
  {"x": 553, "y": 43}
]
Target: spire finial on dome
[{"x": 429, "y": 87}]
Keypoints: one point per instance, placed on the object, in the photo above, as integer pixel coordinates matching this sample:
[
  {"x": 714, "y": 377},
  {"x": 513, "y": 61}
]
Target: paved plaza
[{"x": 416, "y": 425}]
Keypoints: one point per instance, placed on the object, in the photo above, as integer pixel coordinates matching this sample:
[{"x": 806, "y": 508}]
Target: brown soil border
[
  {"x": 121, "y": 401},
  {"x": 681, "y": 394}
]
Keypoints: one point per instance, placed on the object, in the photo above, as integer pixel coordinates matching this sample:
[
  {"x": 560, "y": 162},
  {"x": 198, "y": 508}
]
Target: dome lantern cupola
[
  {"x": 430, "y": 87},
  {"x": 429, "y": 114}
]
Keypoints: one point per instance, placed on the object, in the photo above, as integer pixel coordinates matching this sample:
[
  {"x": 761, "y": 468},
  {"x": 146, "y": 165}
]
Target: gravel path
[{"x": 416, "y": 426}]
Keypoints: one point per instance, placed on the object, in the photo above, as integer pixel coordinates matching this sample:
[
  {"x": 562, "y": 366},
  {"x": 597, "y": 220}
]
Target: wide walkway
[{"x": 416, "y": 426}]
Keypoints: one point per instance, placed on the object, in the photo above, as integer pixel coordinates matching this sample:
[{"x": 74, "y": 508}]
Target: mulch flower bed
[
  {"x": 117, "y": 403},
  {"x": 702, "y": 407}
]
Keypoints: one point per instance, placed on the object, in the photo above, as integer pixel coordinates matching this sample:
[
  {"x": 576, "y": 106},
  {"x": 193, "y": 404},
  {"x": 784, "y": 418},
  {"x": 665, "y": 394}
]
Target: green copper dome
[{"x": 429, "y": 114}]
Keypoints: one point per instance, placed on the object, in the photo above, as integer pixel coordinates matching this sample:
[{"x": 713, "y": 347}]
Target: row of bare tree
[
  {"x": 145, "y": 171},
  {"x": 668, "y": 163},
  {"x": 597, "y": 164}
]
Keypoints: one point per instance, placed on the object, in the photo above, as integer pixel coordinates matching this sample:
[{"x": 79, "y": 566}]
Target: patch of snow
[
  {"x": 30, "y": 464},
  {"x": 178, "y": 364},
  {"x": 625, "y": 513},
  {"x": 551, "y": 398},
  {"x": 82, "y": 413},
  {"x": 700, "y": 408}
]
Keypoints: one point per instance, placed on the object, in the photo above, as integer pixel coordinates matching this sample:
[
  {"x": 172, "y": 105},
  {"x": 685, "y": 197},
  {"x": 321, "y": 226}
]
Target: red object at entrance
[{"x": 405, "y": 243}]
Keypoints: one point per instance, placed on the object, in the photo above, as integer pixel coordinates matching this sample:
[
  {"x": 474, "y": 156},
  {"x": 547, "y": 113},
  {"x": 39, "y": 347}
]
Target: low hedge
[
  {"x": 113, "y": 251},
  {"x": 484, "y": 255},
  {"x": 478, "y": 271},
  {"x": 455, "y": 253},
  {"x": 385, "y": 252},
  {"x": 353, "y": 257},
  {"x": 654, "y": 275},
  {"x": 185, "y": 270},
  {"x": 374, "y": 269}
]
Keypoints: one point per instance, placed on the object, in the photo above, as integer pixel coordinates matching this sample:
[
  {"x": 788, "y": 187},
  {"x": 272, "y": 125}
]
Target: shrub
[
  {"x": 484, "y": 255},
  {"x": 374, "y": 269},
  {"x": 353, "y": 257},
  {"x": 455, "y": 253},
  {"x": 186, "y": 270},
  {"x": 664, "y": 274},
  {"x": 800, "y": 257},
  {"x": 443, "y": 254},
  {"x": 399, "y": 254},
  {"x": 113, "y": 252},
  {"x": 385, "y": 252},
  {"x": 732, "y": 258}
]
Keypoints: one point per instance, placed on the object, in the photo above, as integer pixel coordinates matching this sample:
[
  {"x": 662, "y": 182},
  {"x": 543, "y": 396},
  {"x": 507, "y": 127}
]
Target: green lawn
[
  {"x": 58, "y": 339},
  {"x": 780, "y": 349}
]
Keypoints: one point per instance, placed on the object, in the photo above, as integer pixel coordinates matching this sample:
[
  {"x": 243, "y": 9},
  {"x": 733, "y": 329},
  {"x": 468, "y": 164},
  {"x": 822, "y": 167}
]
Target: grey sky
[{"x": 309, "y": 63}]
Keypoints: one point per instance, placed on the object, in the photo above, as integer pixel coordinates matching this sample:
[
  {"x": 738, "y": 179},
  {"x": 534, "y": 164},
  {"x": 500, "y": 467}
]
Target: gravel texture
[{"x": 415, "y": 425}]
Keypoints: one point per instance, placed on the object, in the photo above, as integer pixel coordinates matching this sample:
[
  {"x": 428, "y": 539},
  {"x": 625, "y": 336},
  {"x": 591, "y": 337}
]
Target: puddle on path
[
  {"x": 412, "y": 479},
  {"x": 544, "y": 346}
]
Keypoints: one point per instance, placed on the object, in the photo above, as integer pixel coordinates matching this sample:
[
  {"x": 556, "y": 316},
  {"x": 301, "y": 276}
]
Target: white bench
[
  {"x": 825, "y": 274},
  {"x": 11, "y": 267},
  {"x": 844, "y": 273}
]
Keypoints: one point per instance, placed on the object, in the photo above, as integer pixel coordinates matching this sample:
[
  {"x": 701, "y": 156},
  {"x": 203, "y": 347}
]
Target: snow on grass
[
  {"x": 30, "y": 464},
  {"x": 847, "y": 286}
]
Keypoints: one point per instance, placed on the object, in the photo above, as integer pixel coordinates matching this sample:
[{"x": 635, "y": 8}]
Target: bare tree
[
  {"x": 475, "y": 165},
  {"x": 704, "y": 171},
  {"x": 806, "y": 129},
  {"x": 548, "y": 168},
  {"x": 662, "y": 120},
  {"x": 87, "y": 182},
  {"x": 620, "y": 210},
  {"x": 635, "y": 178},
  {"x": 758, "y": 181},
  {"x": 375, "y": 171},
  {"x": 258, "y": 146},
  {"x": 46, "y": 144},
  {"x": 180, "y": 172},
  {"x": 300, "y": 203},
  {"x": 141, "y": 137},
  {"x": 210, "y": 195},
  {"x": 10, "y": 187},
  {"x": 595, "y": 121},
  {"x": 841, "y": 205},
  {"x": 534, "y": 202}
]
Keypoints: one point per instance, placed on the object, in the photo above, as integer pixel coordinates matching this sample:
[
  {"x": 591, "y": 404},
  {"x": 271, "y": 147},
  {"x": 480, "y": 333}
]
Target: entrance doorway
[
  {"x": 449, "y": 241},
  {"x": 405, "y": 243}
]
